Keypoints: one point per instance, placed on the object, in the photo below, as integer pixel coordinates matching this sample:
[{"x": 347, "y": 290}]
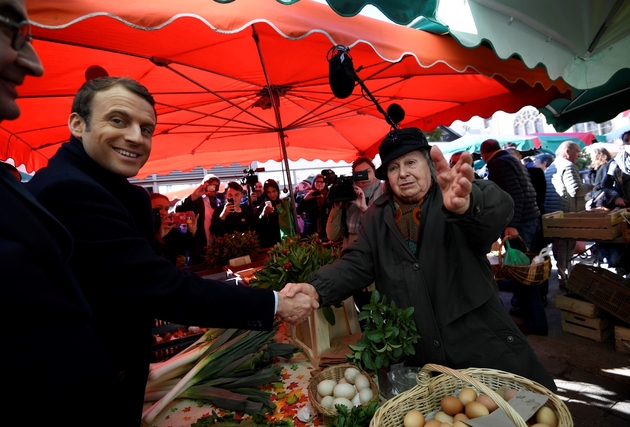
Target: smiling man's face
[{"x": 120, "y": 131}]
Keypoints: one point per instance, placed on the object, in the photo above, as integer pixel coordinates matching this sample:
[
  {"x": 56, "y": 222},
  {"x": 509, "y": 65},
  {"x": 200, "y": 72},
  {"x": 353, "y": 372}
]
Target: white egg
[
  {"x": 366, "y": 395},
  {"x": 344, "y": 390},
  {"x": 326, "y": 387},
  {"x": 361, "y": 382},
  {"x": 342, "y": 401},
  {"x": 356, "y": 400},
  {"x": 350, "y": 374},
  {"x": 327, "y": 402}
]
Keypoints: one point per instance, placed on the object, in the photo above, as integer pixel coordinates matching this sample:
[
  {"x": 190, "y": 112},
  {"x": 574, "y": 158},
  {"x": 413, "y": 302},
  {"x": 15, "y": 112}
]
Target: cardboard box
[
  {"x": 598, "y": 328},
  {"x": 622, "y": 339},
  {"x": 584, "y": 225}
]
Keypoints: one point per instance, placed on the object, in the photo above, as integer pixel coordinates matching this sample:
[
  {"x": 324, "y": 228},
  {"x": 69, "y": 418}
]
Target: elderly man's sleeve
[{"x": 490, "y": 211}]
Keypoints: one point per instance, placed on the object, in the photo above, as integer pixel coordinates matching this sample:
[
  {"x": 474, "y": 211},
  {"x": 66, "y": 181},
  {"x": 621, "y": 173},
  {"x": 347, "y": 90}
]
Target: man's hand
[
  {"x": 359, "y": 201},
  {"x": 199, "y": 191},
  {"x": 511, "y": 233},
  {"x": 294, "y": 306},
  {"x": 455, "y": 182}
]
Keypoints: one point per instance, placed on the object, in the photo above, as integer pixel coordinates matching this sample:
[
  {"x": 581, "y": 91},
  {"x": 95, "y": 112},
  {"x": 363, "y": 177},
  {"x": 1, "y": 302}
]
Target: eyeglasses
[{"x": 20, "y": 32}]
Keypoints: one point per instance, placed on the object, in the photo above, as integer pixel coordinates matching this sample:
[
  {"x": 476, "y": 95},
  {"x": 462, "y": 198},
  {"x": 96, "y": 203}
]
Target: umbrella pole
[{"x": 275, "y": 102}]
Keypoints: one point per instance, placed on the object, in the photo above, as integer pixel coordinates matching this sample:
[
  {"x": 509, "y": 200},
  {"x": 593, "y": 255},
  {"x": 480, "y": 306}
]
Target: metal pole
[{"x": 280, "y": 130}]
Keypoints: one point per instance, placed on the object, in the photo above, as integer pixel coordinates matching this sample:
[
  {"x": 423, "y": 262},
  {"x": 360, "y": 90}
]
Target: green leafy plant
[
  {"x": 229, "y": 246},
  {"x": 359, "y": 416},
  {"x": 292, "y": 260},
  {"x": 389, "y": 333}
]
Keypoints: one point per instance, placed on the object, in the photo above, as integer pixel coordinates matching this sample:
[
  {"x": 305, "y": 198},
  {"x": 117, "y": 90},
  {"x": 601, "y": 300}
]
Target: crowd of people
[{"x": 90, "y": 260}]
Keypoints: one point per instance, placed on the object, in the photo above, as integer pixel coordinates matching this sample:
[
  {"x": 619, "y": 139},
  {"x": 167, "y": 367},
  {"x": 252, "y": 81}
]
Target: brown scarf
[{"x": 407, "y": 219}]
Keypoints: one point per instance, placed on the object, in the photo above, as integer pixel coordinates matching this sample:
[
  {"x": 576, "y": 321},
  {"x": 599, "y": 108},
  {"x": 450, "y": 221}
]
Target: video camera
[
  {"x": 342, "y": 189},
  {"x": 250, "y": 177}
]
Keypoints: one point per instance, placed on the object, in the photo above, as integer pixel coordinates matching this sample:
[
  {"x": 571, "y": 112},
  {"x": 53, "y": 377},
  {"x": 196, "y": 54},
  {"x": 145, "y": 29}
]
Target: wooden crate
[
  {"x": 316, "y": 335},
  {"x": 598, "y": 328},
  {"x": 584, "y": 225},
  {"x": 622, "y": 339},
  {"x": 577, "y": 306}
]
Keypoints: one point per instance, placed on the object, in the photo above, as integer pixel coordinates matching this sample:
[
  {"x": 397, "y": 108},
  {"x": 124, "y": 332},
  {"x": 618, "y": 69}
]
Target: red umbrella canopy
[{"x": 234, "y": 81}]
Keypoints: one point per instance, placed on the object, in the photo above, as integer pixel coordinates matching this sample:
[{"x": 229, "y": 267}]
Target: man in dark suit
[
  {"x": 85, "y": 186},
  {"x": 52, "y": 355}
]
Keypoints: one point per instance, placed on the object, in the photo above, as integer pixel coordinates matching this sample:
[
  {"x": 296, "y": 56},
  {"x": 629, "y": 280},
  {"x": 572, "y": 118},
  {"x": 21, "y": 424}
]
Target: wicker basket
[
  {"x": 426, "y": 396},
  {"x": 533, "y": 274},
  {"x": 333, "y": 373}
]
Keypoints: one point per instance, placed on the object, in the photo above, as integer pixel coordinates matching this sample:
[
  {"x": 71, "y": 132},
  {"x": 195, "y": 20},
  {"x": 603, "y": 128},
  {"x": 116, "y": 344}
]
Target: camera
[
  {"x": 250, "y": 177},
  {"x": 342, "y": 189}
]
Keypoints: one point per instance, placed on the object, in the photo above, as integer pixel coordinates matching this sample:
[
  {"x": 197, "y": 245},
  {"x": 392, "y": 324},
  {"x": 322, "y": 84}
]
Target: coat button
[
  {"x": 510, "y": 339},
  {"x": 477, "y": 210},
  {"x": 436, "y": 343},
  {"x": 416, "y": 266},
  {"x": 121, "y": 375}
]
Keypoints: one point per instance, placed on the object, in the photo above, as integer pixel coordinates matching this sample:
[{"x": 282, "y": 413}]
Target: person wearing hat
[
  {"x": 268, "y": 227},
  {"x": 424, "y": 245}
]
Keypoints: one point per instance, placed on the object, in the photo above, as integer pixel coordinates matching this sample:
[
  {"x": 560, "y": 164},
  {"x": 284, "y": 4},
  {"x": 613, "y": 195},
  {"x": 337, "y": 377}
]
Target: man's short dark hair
[
  {"x": 82, "y": 104},
  {"x": 363, "y": 159},
  {"x": 489, "y": 146}
]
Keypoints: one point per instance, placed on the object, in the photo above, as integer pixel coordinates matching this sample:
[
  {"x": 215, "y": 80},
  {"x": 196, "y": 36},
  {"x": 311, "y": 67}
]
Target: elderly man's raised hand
[
  {"x": 295, "y": 304},
  {"x": 455, "y": 182}
]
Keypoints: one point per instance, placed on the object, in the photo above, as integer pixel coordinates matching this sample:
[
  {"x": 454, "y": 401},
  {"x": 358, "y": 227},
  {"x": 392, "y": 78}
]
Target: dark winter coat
[
  {"x": 49, "y": 343},
  {"x": 127, "y": 284},
  {"x": 511, "y": 176},
  {"x": 450, "y": 284}
]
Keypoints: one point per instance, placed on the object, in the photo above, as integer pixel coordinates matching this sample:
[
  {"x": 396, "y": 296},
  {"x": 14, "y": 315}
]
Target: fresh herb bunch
[
  {"x": 292, "y": 260},
  {"x": 232, "y": 246},
  {"x": 229, "y": 420},
  {"x": 389, "y": 333},
  {"x": 359, "y": 416}
]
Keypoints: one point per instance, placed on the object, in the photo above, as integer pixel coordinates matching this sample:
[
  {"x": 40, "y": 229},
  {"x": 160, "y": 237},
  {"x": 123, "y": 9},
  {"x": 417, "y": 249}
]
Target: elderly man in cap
[{"x": 425, "y": 244}]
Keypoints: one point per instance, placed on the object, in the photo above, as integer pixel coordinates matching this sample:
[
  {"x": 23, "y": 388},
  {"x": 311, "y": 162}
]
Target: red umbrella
[{"x": 248, "y": 80}]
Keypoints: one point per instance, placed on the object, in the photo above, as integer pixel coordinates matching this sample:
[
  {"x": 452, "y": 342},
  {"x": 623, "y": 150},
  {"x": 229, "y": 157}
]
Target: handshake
[{"x": 296, "y": 302}]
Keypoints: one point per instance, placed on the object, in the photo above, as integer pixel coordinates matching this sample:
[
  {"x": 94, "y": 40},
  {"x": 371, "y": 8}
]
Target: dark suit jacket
[
  {"x": 127, "y": 284},
  {"x": 49, "y": 341}
]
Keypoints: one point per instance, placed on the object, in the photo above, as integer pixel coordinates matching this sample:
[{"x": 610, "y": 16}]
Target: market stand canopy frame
[
  {"x": 235, "y": 82},
  {"x": 583, "y": 41}
]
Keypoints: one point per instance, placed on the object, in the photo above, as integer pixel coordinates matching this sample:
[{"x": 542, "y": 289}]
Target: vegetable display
[
  {"x": 229, "y": 246},
  {"x": 225, "y": 367},
  {"x": 389, "y": 333}
]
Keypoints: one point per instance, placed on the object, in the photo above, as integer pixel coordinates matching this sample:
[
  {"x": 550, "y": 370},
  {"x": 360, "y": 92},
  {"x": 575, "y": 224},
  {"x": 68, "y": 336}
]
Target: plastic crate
[
  {"x": 166, "y": 349},
  {"x": 601, "y": 287}
]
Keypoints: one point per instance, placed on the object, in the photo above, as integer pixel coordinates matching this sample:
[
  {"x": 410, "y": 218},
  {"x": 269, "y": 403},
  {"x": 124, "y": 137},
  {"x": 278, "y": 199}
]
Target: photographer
[
  {"x": 314, "y": 205},
  {"x": 172, "y": 241},
  {"x": 233, "y": 216},
  {"x": 345, "y": 217},
  {"x": 203, "y": 202}
]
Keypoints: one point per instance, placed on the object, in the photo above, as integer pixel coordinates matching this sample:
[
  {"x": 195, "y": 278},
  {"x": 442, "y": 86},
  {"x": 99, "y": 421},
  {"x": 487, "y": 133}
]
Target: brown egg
[
  {"x": 545, "y": 415},
  {"x": 460, "y": 424},
  {"x": 443, "y": 418},
  {"x": 467, "y": 395},
  {"x": 433, "y": 423},
  {"x": 476, "y": 410},
  {"x": 487, "y": 402},
  {"x": 540, "y": 425},
  {"x": 414, "y": 418},
  {"x": 510, "y": 393},
  {"x": 446, "y": 425},
  {"x": 459, "y": 417},
  {"x": 451, "y": 405}
]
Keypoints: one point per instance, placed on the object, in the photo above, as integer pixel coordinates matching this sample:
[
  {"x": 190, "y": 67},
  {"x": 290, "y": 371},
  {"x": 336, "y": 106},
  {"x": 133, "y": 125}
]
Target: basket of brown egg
[
  {"x": 458, "y": 395},
  {"x": 341, "y": 384}
]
